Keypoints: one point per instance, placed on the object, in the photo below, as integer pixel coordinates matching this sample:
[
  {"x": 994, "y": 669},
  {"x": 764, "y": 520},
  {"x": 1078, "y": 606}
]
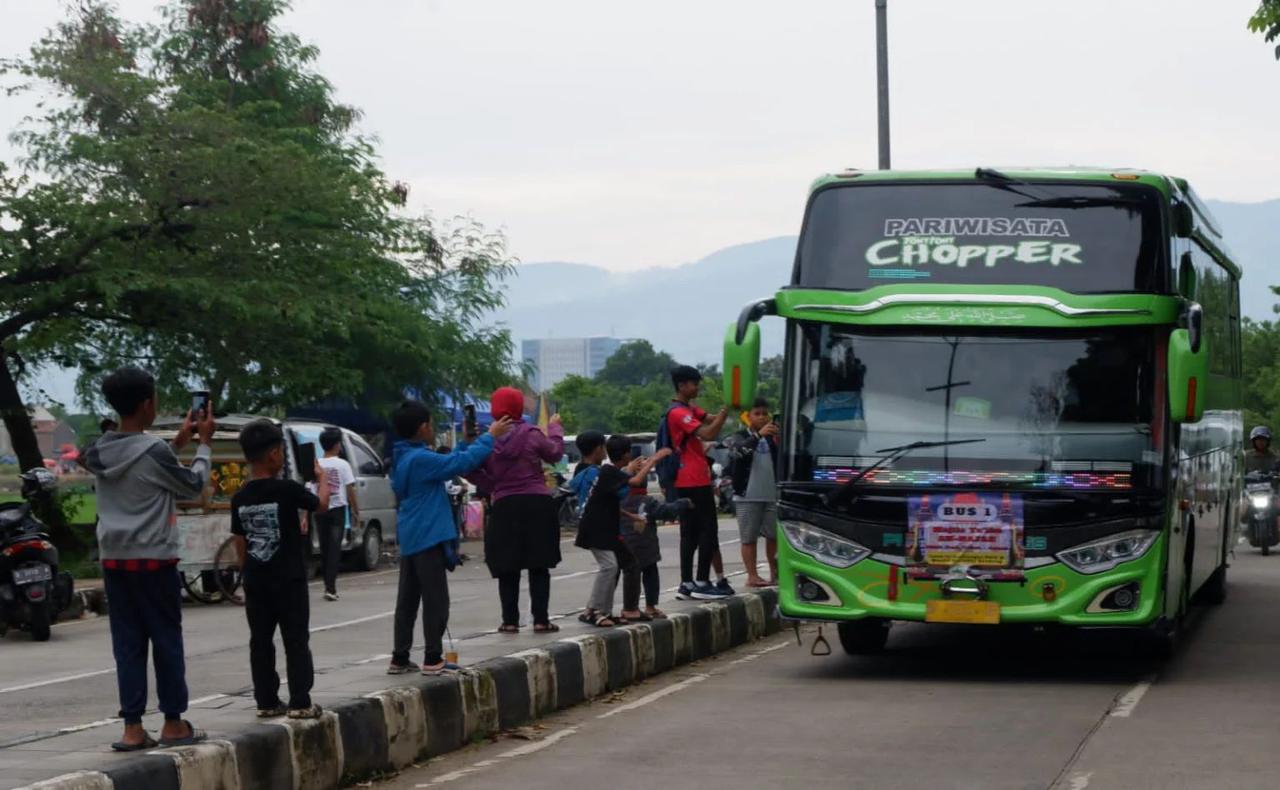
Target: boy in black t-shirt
[
  {"x": 598, "y": 528},
  {"x": 272, "y": 546}
]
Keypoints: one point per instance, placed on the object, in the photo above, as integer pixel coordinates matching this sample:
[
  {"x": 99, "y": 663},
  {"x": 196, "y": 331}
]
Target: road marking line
[
  {"x": 1079, "y": 781},
  {"x": 520, "y": 751},
  {"x": 655, "y": 696},
  {"x": 576, "y": 575},
  {"x": 203, "y": 700},
  {"x": 758, "y": 653},
  {"x": 371, "y": 659},
  {"x": 356, "y": 621},
  {"x": 1125, "y": 705},
  {"x": 53, "y": 681},
  {"x": 89, "y": 726}
]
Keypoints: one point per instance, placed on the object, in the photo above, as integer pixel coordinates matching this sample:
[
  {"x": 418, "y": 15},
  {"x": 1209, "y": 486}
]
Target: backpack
[{"x": 668, "y": 467}]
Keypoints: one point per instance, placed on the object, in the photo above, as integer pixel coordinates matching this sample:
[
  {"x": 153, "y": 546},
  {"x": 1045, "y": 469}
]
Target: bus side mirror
[
  {"x": 741, "y": 365},
  {"x": 1188, "y": 376},
  {"x": 1184, "y": 220}
]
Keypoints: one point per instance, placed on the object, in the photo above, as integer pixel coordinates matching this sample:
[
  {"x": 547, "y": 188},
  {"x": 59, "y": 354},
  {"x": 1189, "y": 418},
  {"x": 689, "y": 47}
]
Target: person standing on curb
[
  {"x": 341, "y": 482},
  {"x": 139, "y": 480},
  {"x": 754, "y": 473},
  {"x": 524, "y": 527},
  {"x": 426, "y": 531},
  {"x": 272, "y": 545},
  {"x": 687, "y": 427}
]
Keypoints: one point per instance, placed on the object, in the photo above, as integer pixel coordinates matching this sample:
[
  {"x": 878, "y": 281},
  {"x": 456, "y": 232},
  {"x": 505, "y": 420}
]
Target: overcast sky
[{"x": 637, "y": 134}]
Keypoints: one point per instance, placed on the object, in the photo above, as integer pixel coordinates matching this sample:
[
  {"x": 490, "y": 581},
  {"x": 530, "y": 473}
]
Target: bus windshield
[
  {"x": 1082, "y": 237},
  {"x": 1071, "y": 410}
]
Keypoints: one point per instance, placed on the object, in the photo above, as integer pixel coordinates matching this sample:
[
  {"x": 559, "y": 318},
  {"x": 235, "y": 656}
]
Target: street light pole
[{"x": 882, "y": 79}]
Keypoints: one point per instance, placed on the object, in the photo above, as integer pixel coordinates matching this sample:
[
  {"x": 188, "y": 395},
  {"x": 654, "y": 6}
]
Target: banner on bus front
[{"x": 979, "y": 531}]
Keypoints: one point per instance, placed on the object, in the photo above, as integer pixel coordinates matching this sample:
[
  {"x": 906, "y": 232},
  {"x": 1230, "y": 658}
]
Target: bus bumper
[{"x": 868, "y": 589}]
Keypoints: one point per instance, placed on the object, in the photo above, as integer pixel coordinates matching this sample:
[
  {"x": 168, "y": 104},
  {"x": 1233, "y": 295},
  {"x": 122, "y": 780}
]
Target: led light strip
[{"x": 922, "y": 477}]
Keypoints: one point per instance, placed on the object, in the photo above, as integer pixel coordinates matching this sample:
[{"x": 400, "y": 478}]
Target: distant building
[
  {"x": 555, "y": 359},
  {"x": 51, "y": 434}
]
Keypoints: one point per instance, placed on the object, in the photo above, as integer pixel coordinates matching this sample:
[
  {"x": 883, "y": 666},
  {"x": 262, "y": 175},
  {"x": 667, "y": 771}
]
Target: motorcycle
[
  {"x": 724, "y": 490},
  {"x": 32, "y": 589},
  {"x": 566, "y": 500},
  {"x": 1259, "y": 487}
]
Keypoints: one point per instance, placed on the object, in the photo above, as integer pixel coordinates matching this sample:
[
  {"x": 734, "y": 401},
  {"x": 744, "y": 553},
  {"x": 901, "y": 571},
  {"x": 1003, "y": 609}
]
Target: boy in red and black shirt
[{"x": 688, "y": 427}]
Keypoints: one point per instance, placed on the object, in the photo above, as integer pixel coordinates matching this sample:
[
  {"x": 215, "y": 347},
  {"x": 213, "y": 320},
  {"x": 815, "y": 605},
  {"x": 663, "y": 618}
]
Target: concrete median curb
[{"x": 392, "y": 729}]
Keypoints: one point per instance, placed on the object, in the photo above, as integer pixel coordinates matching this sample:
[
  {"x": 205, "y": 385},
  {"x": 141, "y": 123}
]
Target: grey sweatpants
[{"x": 606, "y": 582}]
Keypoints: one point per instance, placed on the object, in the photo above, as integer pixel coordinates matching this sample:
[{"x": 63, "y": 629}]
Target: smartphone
[
  {"x": 777, "y": 418},
  {"x": 307, "y": 462},
  {"x": 199, "y": 404},
  {"x": 469, "y": 426}
]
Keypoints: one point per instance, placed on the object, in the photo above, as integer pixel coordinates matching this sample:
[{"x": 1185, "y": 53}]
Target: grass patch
[{"x": 84, "y": 508}]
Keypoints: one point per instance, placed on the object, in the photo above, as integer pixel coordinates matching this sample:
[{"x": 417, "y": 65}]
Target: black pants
[
  {"x": 699, "y": 532},
  {"x": 146, "y": 612},
  {"x": 633, "y": 578},
  {"x": 423, "y": 579},
  {"x": 285, "y": 605},
  {"x": 331, "y": 524},
  {"x": 539, "y": 596}
]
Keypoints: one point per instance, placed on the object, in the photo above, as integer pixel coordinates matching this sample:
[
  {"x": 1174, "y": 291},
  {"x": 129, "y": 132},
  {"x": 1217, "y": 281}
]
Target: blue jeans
[{"x": 145, "y": 609}]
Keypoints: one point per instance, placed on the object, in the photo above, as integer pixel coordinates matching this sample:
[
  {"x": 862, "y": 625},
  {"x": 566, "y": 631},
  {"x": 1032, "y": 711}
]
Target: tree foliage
[
  {"x": 195, "y": 200},
  {"x": 636, "y": 364},
  {"x": 1266, "y": 20}
]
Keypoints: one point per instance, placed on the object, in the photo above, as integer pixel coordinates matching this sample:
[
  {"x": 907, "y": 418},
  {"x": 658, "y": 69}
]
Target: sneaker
[
  {"x": 271, "y": 713},
  {"x": 402, "y": 669},
  {"x": 311, "y": 712},
  {"x": 685, "y": 591},
  {"x": 706, "y": 591},
  {"x": 444, "y": 667},
  {"x": 723, "y": 586},
  {"x": 331, "y": 596}
]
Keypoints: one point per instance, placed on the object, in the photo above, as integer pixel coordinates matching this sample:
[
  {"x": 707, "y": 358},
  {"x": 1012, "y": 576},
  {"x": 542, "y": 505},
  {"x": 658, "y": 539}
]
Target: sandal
[
  {"x": 601, "y": 620},
  {"x": 586, "y": 616},
  {"x": 147, "y": 743},
  {"x": 545, "y": 628},
  {"x": 638, "y": 617},
  {"x": 656, "y": 614},
  {"x": 193, "y": 737},
  {"x": 508, "y": 628}
]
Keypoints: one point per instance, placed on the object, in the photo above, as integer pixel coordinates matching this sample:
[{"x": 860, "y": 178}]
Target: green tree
[
  {"x": 636, "y": 364},
  {"x": 199, "y": 203},
  {"x": 583, "y": 404},
  {"x": 1266, "y": 20},
  {"x": 639, "y": 412}
]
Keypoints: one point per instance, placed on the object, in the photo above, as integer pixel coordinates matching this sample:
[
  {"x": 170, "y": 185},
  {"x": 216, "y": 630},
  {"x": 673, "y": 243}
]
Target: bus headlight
[
  {"x": 823, "y": 546},
  {"x": 1260, "y": 501},
  {"x": 1106, "y": 553}
]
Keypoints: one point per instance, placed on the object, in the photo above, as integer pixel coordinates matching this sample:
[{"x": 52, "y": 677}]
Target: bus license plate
[
  {"x": 36, "y": 573},
  {"x": 980, "y": 612}
]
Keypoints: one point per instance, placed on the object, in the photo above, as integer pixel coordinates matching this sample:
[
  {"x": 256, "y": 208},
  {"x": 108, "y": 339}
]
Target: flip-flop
[
  {"x": 147, "y": 743},
  {"x": 759, "y": 585},
  {"x": 508, "y": 628},
  {"x": 545, "y": 628},
  {"x": 657, "y": 614},
  {"x": 636, "y": 618},
  {"x": 195, "y": 736}
]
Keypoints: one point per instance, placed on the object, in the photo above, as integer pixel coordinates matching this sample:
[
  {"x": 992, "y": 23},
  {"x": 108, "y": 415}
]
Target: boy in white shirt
[{"x": 342, "y": 497}]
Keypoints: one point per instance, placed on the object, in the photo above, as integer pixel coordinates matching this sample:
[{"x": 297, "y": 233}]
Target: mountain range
[{"x": 685, "y": 309}]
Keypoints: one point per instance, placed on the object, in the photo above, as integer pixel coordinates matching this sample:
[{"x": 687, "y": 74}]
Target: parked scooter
[
  {"x": 32, "y": 590},
  {"x": 724, "y": 490},
  {"x": 1262, "y": 532},
  {"x": 566, "y": 503}
]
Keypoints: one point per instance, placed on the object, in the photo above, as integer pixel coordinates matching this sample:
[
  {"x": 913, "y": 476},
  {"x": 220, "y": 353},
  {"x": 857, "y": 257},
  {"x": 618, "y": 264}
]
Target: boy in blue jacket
[{"x": 426, "y": 530}]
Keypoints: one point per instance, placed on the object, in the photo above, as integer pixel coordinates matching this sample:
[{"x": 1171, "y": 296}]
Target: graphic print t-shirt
[
  {"x": 265, "y": 512},
  {"x": 339, "y": 475},
  {"x": 682, "y": 423}
]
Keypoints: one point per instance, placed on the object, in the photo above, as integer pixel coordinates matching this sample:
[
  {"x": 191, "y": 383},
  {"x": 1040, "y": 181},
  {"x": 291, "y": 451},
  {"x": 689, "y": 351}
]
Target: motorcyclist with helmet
[{"x": 1260, "y": 457}]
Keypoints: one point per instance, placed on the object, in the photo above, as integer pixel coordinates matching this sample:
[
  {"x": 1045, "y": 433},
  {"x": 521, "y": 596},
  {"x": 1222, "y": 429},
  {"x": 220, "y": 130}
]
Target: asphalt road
[
  {"x": 943, "y": 708},
  {"x": 68, "y": 683}
]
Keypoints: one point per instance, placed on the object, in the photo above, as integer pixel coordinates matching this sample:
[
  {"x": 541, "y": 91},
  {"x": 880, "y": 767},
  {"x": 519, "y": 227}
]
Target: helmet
[
  {"x": 1260, "y": 432},
  {"x": 38, "y": 481}
]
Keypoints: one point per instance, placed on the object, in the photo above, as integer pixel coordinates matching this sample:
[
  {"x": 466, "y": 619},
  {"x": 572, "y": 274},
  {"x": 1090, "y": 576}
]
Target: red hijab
[{"x": 507, "y": 402}]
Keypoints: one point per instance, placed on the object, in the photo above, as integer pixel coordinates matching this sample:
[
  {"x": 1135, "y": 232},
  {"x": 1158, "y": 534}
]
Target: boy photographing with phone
[
  {"x": 754, "y": 452},
  {"x": 273, "y": 549}
]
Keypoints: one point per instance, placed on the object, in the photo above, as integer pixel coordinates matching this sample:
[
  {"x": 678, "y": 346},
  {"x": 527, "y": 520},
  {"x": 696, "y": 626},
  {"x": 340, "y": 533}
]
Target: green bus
[{"x": 1009, "y": 397}]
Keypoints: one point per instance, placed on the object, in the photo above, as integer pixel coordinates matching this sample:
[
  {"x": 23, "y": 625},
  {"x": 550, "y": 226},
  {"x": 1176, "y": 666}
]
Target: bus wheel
[{"x": 863, "y": 637}]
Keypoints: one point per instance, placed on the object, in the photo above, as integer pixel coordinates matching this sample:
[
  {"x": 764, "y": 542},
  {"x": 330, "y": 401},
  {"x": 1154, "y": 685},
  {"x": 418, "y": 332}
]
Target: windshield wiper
[
  {"x": 1006, "y": 182},
  {"x": 1080, "y": 202},
  {"x": 887, "y": 456}
]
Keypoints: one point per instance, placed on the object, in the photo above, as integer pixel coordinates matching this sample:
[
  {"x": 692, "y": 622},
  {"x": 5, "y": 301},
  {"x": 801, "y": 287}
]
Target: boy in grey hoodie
[{"x": 139, "y": 480}]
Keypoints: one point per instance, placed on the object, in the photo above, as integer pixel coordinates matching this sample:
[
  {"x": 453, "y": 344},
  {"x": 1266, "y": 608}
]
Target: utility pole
[{"x": 882, "y": 78}]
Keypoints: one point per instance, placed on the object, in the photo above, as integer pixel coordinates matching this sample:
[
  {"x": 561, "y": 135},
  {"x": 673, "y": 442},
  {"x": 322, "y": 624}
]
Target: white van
[{"x": 377, "y": 505}]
